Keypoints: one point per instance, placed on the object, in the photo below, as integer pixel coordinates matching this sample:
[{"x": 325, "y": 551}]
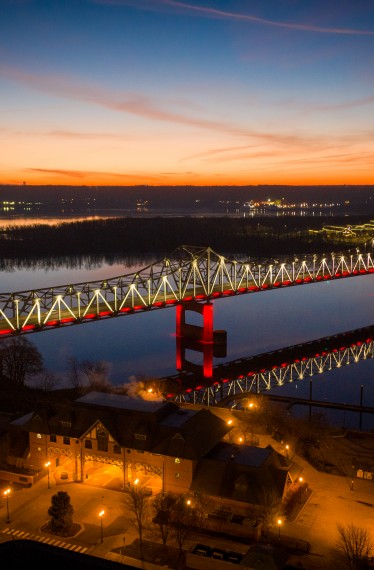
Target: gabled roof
[
  {"x": 239, "y": 472},
  {"x": 192, "y": 438}
]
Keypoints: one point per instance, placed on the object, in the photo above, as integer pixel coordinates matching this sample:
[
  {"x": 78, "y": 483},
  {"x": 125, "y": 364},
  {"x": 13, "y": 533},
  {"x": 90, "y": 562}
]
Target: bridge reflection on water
[{"x": 234, "y": 381}]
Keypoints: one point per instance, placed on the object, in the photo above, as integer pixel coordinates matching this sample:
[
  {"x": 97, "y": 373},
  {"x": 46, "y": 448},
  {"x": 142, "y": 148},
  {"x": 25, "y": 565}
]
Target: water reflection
[{"x": 144, "y": 345}]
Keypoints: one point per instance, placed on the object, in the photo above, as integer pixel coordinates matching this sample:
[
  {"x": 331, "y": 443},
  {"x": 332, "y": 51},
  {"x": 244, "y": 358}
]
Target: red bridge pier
[{"x": 198, "y": 338}]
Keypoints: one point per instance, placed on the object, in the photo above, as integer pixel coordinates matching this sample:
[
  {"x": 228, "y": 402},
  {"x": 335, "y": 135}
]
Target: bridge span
[
  {"x": 233, "y": 381},
  {"x": 190, "y": 273}
]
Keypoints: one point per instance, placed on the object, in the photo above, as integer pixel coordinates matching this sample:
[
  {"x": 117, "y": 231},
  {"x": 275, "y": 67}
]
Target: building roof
[
  {"x": 164, "y": 428},
  {"x": 192, "y": 438},
  {"x": 120, "y": 401},
  {"x": 240, "y": 473}
]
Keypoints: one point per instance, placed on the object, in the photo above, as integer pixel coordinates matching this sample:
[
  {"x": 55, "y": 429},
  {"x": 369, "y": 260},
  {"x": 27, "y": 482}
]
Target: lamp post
[
  {"x": 101, "y": 514},
  {"x": 47, "y": 465},
  {"x": 279, "y": 522},
  {"x": 6, "y": 495}
]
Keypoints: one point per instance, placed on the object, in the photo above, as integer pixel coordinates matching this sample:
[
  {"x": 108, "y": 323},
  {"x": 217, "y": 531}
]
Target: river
[{"x": 143, "y": 345}]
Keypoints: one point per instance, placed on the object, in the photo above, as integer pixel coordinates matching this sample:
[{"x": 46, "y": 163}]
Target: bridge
[
  {"x": 190, "y": 273},
  {"x": 233, "y": 381}
]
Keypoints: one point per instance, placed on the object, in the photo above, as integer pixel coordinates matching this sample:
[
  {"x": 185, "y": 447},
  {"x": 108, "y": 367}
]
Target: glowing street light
[
  {"x": 6, "y": 495},
  {"x": 101, "y": 514},
  {"x": 47, "y": 465},
  {"x": 279, "y": 523}
]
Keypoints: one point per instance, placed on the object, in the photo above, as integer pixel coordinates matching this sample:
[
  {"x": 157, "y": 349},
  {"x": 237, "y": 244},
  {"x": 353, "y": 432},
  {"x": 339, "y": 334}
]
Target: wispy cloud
[
  {"x": 133, "y": 103},
  {"x": 155, "y": 5},
  {"x": 347, "y": 104},
  {"x": 83, "y": 135},
  {"x": 82, "y": 174}
]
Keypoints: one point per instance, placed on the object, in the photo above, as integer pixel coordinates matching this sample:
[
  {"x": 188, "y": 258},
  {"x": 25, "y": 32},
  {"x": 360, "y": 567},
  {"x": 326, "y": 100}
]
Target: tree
[
  {"x": 18, "y": 359},
  {"x": 184, "y": 518},
  {"x": 97, "y": 374},
  {"x": 355, "y": 543},
  {"x": 137, "y": 501},
  {"x": 74, "y": 372},
  {"x": 272, "y": 507},
  {"x": 162, "y": 506},
  {"x": 61, "y": 512}
]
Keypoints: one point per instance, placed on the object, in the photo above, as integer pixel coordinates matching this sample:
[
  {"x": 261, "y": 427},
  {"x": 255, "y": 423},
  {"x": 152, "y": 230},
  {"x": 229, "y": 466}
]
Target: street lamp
[
  {"x": 47, "y": 465},
  {"x": 6, "y": 495},
  {"x": 101, "y": 514},
  {"x": 279, "y": 522}
]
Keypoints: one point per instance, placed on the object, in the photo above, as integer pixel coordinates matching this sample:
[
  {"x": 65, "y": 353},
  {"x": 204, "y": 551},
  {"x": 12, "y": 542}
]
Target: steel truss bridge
[
  {"x": 189, "y": 274},
  {"x": 235, "y": 380}
]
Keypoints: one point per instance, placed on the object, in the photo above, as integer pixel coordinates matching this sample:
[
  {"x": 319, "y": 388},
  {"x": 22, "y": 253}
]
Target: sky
[{"x": 195, "y": 92}]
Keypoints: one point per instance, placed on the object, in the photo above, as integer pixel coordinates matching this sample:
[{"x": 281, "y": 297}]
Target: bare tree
[
  {"x": 271, "y": 507},
  {"x": 162, "y": 506},
  {"x": 138, "y": 501},
  {"x": 184, "y": 518},
  {"x": 74, "y": 372},
  {"x": 45, "y": 381},
  {"x": 97, "y": 374},
  {"x": 19, "y": 358},
  {"x": 355, "y": 543}
]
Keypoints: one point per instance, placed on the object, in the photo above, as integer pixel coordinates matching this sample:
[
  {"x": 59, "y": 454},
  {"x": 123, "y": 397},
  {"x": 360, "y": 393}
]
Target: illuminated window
[
  {"x": 88, "y": 444},
  {"x": 140, "y": 436},
  {"x": 65, "y": 424},
  {"x": 38, "y": 435},
  {"x": 102, "y": 440},
  {"x": 177, "y": 460}
]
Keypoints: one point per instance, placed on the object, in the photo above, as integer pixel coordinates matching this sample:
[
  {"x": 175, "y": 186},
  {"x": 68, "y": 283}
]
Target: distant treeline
[
  {"x": 123, "y": 237},
  {"x": 197, "y": 198}
]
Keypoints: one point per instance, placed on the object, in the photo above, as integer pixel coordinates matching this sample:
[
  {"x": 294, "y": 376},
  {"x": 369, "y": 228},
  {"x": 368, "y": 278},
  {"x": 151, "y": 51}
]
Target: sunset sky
[{"x": 124, "y": 92}]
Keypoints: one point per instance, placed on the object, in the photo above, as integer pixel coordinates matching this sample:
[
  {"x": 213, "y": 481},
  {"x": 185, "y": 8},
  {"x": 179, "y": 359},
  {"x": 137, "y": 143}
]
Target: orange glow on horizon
[{"x": 316, "y": 178}]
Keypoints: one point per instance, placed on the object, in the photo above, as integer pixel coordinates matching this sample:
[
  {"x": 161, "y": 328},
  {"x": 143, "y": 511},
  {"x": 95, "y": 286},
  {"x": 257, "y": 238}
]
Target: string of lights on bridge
[{"x": 190, "y": 273}]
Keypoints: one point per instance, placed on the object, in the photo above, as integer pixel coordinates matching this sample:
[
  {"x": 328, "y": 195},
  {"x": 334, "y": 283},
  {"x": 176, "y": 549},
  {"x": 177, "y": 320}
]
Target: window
[
  {"x": 66, "y": 440},
  {"x": 52, "y": 438},
  {"x": 102, "y": 440},
  {"x": 88, "y": 444},
  {"x": 140, "y": 436},
  {"x": 65, "y": 424},
  {"x": 116, "y": 449}
]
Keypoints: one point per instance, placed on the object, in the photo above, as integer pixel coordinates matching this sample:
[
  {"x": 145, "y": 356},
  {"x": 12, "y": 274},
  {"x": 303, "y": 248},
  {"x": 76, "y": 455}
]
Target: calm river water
[{"x": 144, "y": 345}]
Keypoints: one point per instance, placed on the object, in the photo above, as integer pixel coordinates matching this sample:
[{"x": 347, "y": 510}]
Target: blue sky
[{"x": 130, "y": 92}]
